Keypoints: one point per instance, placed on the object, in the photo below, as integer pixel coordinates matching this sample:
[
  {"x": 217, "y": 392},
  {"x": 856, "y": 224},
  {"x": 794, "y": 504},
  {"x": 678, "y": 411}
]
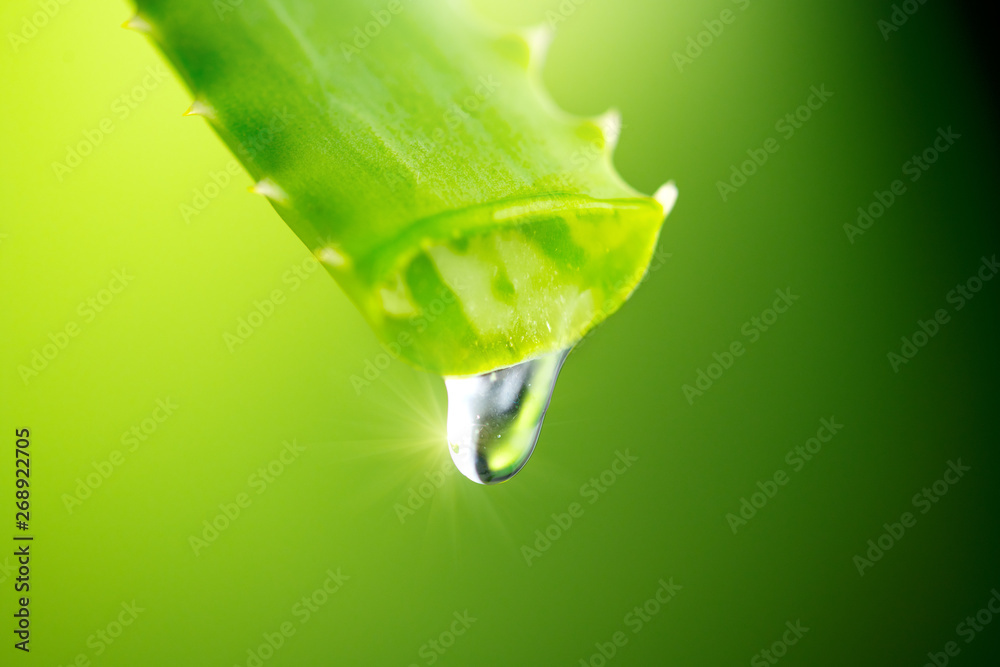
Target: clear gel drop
[{"x": 494, "y": 419}]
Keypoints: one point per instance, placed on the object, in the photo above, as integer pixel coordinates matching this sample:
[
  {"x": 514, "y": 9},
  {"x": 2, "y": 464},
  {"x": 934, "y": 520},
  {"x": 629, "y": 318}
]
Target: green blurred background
[{"x": 364, "y": 455}]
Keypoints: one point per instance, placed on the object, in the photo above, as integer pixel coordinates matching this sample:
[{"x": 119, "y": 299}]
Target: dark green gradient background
[{"x": 334, "y": 507}]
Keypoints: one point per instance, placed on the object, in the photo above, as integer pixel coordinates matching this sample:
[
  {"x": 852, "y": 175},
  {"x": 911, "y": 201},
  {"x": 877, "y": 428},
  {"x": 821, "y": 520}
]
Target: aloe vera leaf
[{"x": 473, "y": 223}]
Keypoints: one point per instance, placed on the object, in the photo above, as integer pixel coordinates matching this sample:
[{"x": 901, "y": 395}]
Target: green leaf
[{"x": 414, "y": 151}]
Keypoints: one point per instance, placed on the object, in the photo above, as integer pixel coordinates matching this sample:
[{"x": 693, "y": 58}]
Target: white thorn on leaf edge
[
  {"x": 539, "y": 38},
  {"x": 268, "y": 188},
  {"x": 138, "y": 24},
  {"x": 610, "y": 123},
  {"x": 331, "y": 256},
  {"x": 667, "y": 196},
  {"x": 200, "y": 109}
]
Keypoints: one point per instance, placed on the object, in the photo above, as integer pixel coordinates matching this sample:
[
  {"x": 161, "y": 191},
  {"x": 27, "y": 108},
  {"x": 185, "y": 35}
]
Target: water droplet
[{"x": 494, "y": 418}]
